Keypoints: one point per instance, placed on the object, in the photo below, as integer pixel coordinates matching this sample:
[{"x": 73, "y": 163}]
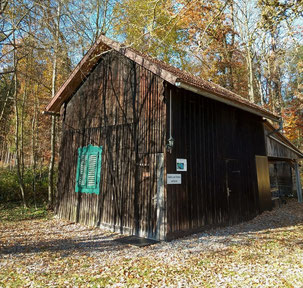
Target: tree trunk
[
  {"x": 231, "y": 50},
  {"x": 275, "y": 75},
  {"x": 34, "y": 151},
  {"x": 259, "y": 85},
  {"x": 251, "y": 91},
  {"x": 52, "y": 164},
  {"x": 53, "y": 125},
  {"x": 22, "y": 133},
  {"x": 19, "y": 175}
]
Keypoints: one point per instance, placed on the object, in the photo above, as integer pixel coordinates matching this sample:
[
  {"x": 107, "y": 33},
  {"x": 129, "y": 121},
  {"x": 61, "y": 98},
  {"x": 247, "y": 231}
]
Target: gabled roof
[{"x": 167, "y": 72}]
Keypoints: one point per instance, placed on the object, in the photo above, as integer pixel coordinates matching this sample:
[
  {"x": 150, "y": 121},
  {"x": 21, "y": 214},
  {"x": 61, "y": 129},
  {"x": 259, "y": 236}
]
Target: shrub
[
  {"x": 12, "y": 212},
  {"x": 9, "y": 187}
]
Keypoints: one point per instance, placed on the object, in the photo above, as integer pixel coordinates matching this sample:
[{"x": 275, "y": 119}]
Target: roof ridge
[{"x": 164, "y": 70}]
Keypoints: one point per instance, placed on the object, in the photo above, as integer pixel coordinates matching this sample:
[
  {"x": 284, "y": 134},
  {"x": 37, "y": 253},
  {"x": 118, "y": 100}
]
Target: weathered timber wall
[
  {"x": 118, "y": 107},
  {"x": 218, "y": 141},
  {"x": 282, "y": 177},
  {"x": 276, "y": 149}
]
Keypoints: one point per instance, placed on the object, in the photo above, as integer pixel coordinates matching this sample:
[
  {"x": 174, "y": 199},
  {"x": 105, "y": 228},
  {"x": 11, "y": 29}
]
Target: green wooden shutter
[
  {"x": 82, "y": 172},
  {"x": 89, "y": 169},
  {"x": 92, "y": 170}
]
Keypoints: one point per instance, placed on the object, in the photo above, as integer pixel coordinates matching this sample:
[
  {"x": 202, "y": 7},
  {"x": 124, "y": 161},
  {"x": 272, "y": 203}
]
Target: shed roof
[
  {"x": 167, "y": 72},
  {"x": 278, "y": 136}
]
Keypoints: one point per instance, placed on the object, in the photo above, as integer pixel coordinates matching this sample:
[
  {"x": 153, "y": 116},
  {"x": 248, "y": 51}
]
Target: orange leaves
[
  {"x": 293, "y": 117},
  {"x": 293, "y": 121},
  {"x": 293, "y": 111}
]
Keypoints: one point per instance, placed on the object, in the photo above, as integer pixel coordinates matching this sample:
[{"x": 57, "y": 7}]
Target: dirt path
[{"x": 264, "y": 252}]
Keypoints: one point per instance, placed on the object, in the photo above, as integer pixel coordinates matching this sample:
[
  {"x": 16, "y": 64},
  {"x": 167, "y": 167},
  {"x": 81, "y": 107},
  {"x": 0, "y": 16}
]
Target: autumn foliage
[{"x": 253, "y": 48}]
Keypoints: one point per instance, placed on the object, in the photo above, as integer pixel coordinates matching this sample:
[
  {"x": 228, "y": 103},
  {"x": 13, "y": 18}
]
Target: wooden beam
[
  {"x": 298, "y": 181},
  {"x": 51, "y": 113}
]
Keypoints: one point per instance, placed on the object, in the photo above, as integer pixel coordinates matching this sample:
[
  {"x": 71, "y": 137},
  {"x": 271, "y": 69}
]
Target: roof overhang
[
  {"x": 91, "y": 58},
  {"x": 78, "y": 76},
  {"x": 166, "y": 72},
  {"x": 277, "y": 136},
  {"x": 227, "y": 101}
]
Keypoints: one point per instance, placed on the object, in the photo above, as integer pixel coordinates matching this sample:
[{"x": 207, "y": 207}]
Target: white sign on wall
[
  {"x": 174, "y": 179},
  {"x": 181, "y": 164}
]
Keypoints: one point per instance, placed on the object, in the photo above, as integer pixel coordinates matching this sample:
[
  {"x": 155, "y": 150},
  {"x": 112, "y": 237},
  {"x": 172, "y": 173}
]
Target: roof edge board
[
  {"x": 65, "y": 86},
  {"x": 140, "y": 60},
  {"x": 165, "y": 75},
  {"x": 213, "y": 96}
]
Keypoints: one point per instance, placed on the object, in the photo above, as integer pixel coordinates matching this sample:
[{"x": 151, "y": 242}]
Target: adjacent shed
[
  {"x": 150, "y": 150},
  {"x": 283, "y": 159}
]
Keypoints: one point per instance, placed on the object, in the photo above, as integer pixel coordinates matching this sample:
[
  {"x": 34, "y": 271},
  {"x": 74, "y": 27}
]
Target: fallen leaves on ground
[{"x": 48, "y": 252}]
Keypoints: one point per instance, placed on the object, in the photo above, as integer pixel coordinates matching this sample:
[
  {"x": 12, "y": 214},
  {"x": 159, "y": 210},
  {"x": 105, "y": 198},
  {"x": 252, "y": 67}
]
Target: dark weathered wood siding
[
  {"x": 118, "y": 107},
  {"x": 210, "y": 135},
  {"x": 282, "y": 176},
  {"x": 125, "y": 108},
  {"x": 274, "y": 149}
]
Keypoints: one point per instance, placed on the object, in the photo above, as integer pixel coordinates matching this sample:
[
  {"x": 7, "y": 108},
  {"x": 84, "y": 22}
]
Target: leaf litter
[{"x": 264, "y": 252}]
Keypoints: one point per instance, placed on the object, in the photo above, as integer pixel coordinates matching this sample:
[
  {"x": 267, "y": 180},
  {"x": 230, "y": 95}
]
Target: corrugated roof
[{"x": 167, "y": 72}]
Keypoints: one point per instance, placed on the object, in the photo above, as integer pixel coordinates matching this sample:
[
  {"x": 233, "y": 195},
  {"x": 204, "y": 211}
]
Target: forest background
[{"x": 251, "y": 47}]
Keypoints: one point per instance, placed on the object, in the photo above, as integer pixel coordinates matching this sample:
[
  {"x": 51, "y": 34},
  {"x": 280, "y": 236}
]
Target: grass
[{"x": 14, "y": 212}]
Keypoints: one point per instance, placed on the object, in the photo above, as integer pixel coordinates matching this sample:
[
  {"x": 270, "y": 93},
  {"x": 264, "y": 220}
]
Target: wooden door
[
  {"x": 160, "y": 203},
  {"x": 263, "y": 183},
  {"x": 233, "y": 189},
  {"x": 151, "y": 196}
]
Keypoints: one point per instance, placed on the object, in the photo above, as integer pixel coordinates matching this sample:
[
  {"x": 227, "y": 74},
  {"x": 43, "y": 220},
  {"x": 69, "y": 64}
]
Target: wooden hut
[
  {"x": 150, "y": 150},
  {"x": 283, "y": 158}
]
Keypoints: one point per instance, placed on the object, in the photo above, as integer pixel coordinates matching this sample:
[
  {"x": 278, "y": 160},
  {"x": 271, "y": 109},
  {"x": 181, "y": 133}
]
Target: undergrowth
[{"x": 13, "y": 212}]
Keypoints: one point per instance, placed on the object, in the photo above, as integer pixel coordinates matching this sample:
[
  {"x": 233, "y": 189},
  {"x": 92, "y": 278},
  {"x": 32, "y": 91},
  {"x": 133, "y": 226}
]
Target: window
[{"x": 89, "y": 169}]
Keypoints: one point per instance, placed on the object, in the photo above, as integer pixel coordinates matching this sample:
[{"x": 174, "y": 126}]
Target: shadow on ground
[
  {"x": 280, "y": 219},
  {"x": 67, "y": 245}
]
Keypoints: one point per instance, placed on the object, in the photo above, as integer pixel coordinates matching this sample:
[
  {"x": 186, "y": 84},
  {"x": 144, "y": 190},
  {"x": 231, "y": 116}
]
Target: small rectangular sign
[
  {"x": 181, "y": 164},
  {"x": 173, "y": 178}
]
